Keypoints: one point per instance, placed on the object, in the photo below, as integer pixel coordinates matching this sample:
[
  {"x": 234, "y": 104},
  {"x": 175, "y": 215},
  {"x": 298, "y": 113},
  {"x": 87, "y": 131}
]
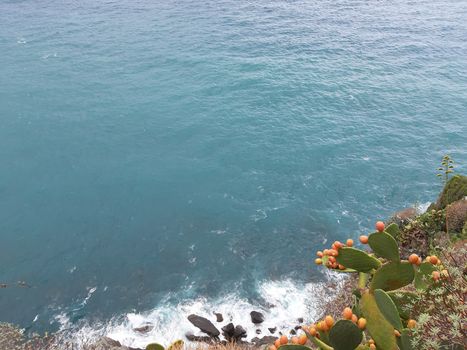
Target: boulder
[
  {"x": 233, "y": 333},
  {"x": 272, "y": 330},
  {"x": 228, "y": 331},
  {"x": 144, "y": 329},
  {"x": 239, "y": 333},
  {"x": 300, "y": 320},
  {"x": 204, "y": 325},
  {"x": 219, "y": 317},
  {"x": 204, "y": 339},
  {"x": 266, "y": 340},
  {"x": 106, "y": 343},
  {"x": 256, "y": 317}
]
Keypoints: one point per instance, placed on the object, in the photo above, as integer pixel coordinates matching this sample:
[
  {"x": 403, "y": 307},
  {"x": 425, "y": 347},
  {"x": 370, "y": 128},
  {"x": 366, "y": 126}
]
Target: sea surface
[{"x": 159, "y": 158}]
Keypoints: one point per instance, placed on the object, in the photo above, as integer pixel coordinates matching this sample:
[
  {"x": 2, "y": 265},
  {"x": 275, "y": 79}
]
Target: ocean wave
[{"x": 284, "y": 302}]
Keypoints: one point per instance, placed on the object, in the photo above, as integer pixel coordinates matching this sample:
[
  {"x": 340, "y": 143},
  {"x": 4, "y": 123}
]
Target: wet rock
[
  {"x": 204, "y": 325},
  {"x": 204, "y": 339},
  {"x": 228, "y": 330},
  {"x": 239, "y": 333},
  {"x": 272, "y": 330},
  {"x": 144, "y": 329},
  {"x": 293, "y": 332},
  {"x": 219, "y": 317},
  {"x": 266, "y": 340},
  {"x": 297, "y": 327},
  {"x": 256, "y": 317},
  {"x": 300, "y": 320},
  {"x": 258, "y": 331}
]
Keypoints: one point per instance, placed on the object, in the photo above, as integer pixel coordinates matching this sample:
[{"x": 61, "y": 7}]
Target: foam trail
[{"x": 288, "y": 301}]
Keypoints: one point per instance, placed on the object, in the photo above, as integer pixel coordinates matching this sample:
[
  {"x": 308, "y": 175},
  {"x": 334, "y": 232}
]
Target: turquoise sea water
[{"x": 153, "y": 153}]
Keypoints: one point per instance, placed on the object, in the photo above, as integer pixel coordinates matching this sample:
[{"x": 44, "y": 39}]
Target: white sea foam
[
  {"x": 286, "y": 300},
  {"x": 422, "y": 207}
]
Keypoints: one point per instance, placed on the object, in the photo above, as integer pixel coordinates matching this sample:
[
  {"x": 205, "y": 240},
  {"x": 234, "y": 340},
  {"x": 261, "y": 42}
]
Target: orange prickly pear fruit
[
  {"x": 354, "y": 318},
  {"x": 361, "y": 323},
  {"x": 294, "y": 340},
  {"x": 284, "y": 340},
  {"x": 341, "y": 267},
  {"x": 302, "y": 339},
  {"x": 435, "y": 275},
  {"x": 329, "y": 321},
  {"x": 363, "y": 239},
  {"x": 277, "y": 343},
  {"x": 411, "y": 324},
  {"x": 333, "y": 252},
  {"x": 332, "y": 259},
  {"x": 326, "y": 252},
  {"x": 372, "y": 346},
  {"x": 397, "y": 333},
  {"x": 318, "y": 261},
  {"x": 319, "y": 326},
  {"x": 434, "y": 259},
  {"x": 413, "y": 259},
  {"x": 272, "y": 347},
  {"x": 349, "y": 242},
  {"x": 419, "y": 261},
  {"x": 319, "y": 254},
  {"x": 324, "y": 326},
  {"x": 380, "y": 226},
  {"x": 313, "y": 331},
  {"x": 347, "y": 313}
]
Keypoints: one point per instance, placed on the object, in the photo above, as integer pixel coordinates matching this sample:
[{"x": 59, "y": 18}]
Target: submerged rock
[
  {"x": 204, "y": 325},
  {"x": 256, "y": 317},
  {"x": 144, "y": 329}
]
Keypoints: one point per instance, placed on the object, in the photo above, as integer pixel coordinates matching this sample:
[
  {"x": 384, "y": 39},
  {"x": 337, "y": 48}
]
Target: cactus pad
[
  {"x": 295, "y": 347},
  {"x": 154, "y": 346},
  {"x": 393, "y": 230},
  {"x": 357, "y": 260},
  {"x": 345, "y": 335},
  {"x": 377, "y": 325},
  {"x": 404, "y": 340},
  {"x": 388, "y": 309},
  {"x": 392, "y": 276},
  {"x": 384, "y": 245}
]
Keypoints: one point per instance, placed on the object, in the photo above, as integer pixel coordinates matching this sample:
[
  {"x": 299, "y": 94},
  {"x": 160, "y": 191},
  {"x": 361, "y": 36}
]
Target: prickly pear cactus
[
  {"x": 393, "y": 275},
  {"x": 345, "y": 335},
  {"x": 384, "y": 245},
  {"x": 154, "y": 346},
  {"x": 378, "y": 327},
  {"x": 357, "y": 260},
  {"x": 388, "y": 308}
]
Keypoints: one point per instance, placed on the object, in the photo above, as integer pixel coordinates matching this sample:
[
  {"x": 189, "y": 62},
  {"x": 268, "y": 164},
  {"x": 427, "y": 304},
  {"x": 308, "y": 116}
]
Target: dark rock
[
  {"x": 204, "y": 325},
  {"x": 258, "y": 331},
  {"x": 144, "y": 329},
  {"x": 300, "y": 320},
  {"x": 232, "y": 333},
  {"x": 228, "y": 330},
  {"x": 106, "y": 343},
  {"x": 203, "y": 339},
  {"x": 266, "y": 340},
  {"x": 293, "y": 332},
  {"x": 297, "y": 327},
  {"x": 256, "y": 317},
  {"x": 239, "y": 333},
  {"x": 219, "y": 317},
  {"x": 273, "y": 330}
]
